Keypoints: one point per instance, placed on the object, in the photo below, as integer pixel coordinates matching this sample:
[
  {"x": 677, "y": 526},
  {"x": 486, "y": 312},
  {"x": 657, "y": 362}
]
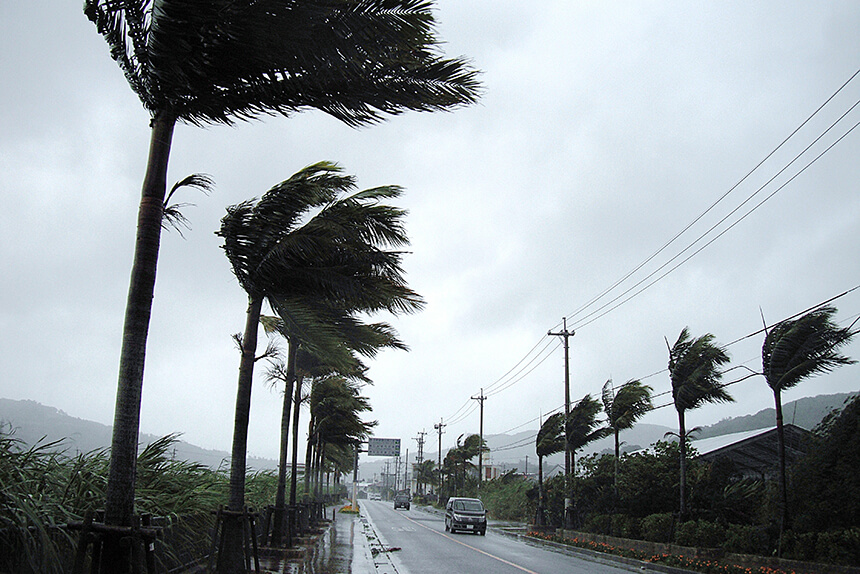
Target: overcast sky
[{"x": 604, "y": 130}]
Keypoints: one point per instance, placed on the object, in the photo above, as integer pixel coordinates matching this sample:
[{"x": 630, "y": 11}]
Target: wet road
[{"x": 425, "y": 548}]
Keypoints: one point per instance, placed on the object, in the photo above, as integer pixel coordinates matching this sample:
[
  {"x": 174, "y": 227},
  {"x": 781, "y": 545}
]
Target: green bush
[
  {"x": 700, "y": 533},
  {"x": 658, "y": 527},
  {"x": 839, "y": 547},
  {"x": 506, "y": 498},
  {"x": 745, "y": 539},
  {"x": 624, "y": 526},
  {"x": 598, "y": 524}
]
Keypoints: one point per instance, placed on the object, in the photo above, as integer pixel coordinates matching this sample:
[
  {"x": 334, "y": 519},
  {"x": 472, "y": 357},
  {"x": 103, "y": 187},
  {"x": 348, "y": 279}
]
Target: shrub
[
  {"x": 658, "y": 527},
  {"x": 839, "y": 547},
  {"x": 742, "y": 539},
  {"x": 700, "y": 533}
]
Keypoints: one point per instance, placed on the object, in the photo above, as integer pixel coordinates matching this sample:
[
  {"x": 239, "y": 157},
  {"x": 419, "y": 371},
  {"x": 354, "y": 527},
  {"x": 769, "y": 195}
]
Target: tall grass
[{"x": 43, "y": 487}]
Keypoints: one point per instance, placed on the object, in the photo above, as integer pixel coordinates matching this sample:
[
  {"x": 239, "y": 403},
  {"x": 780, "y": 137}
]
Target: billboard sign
[{"x": 383, "y": 447}]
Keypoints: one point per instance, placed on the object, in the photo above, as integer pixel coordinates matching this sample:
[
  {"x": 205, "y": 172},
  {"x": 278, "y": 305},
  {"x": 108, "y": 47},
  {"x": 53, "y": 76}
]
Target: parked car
[
  {"x": 466, "y": 514},
  {"x": 401, "y": 501}
]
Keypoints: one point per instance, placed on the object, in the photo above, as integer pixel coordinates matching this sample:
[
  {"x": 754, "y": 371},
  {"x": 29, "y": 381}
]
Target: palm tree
[
  {"x": 794, "y": 350},
  {"x": 337, "y": 255},
  {"x": 457, "y": 462},
  {"x": 335, "y": 406},
  {"x": 550, "y": 440},
  {"x": 583, "y": 428},
  {"x": 425, "y": 474},
  {"x": 366, "y": 339},
  {"x": 694, "y": 368},
  {"x": 623, "y": 408},
  {"x": 221, "y": 61}
]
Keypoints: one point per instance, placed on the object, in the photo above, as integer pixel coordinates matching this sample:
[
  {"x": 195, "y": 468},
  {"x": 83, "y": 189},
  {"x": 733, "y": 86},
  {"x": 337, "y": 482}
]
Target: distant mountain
[
  {"x": 518, "y": 451},
  {"x": 32, "y": 422},
  {"x": 805, "y": 413}
]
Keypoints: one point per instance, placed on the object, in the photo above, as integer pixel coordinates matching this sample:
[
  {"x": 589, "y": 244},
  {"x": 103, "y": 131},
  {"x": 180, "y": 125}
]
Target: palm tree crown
[
  {"x": 627, "y": 405},
  {"x": 694, "y": 367},
  {"x": 215, "y": 61},
  {"x": 550, "y": 437},
  {"x": 797, "y": 349}
]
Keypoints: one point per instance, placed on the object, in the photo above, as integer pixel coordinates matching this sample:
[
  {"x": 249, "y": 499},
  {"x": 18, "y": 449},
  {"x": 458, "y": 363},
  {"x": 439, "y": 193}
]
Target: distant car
[
  {"x": 466, "y": 514},
  {"x": 374, "y": 496},
  {"x": 401, "y": 501}
]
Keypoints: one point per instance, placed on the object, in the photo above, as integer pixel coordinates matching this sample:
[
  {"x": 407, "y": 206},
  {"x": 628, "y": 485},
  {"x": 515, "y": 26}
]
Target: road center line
[{"x": 478, "y": 550}]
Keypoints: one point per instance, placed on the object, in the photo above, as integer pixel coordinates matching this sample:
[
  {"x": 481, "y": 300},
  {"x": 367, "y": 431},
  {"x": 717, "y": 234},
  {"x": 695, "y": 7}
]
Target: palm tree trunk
[
  {"x": 119, "y": 497},
  {"x": 682, "y": 486},
  {"x": 541, "y": 496},
  {"x": 231, "y": 559},
  {"x": 297, "y": 401},
  {"x": 309, "y": 454},
  {"x": 281, "y": 492},
  {"x": 783, "y": 487},
  {"x": 617, "y": 456}
]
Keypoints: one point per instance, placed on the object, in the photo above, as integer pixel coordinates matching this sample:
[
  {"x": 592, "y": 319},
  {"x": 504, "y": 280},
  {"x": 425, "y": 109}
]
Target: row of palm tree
[
  {"x": 227, "y": 60},
  {"x": 793, "y": 350},
  {"x": 583, "y": 427},
  {"x": 318, "y": 254},
  {"x": 457, "y": 463}
]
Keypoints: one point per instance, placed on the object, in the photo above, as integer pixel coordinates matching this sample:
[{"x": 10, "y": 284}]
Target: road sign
[{"x": 383, "y": 447}]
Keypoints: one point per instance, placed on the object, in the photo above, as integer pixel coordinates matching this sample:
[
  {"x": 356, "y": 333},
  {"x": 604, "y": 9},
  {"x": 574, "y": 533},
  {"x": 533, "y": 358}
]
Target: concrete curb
[{"x": 594, "y": 556}]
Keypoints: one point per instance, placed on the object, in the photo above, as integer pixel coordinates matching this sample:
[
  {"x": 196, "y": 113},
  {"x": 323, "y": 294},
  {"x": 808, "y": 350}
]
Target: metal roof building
[{"x": 755, "y": 453}]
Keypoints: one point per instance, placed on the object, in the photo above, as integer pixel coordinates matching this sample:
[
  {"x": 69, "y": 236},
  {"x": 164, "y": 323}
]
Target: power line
[
  {"x": 854, "y": 318},
  {"x": 720, "y": 199}
]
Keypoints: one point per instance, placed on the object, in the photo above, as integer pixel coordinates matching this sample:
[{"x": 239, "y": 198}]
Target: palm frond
[
  {"x": 797, "y": 349},
  {"x": 694, "y": 368},
  {"x": 172, "y": 216},
  {"x": 222, "y": 60}
]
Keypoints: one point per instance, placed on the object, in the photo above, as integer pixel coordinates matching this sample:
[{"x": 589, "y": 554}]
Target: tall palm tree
[
  {"x": 278, "y": 256},
  {"x": 226, "y": 60},
  {"x": 550, "y": 440},
  {"x": 357, "y": 337},
  {"x": 425, "y": 474},
  {"x": 694, "y": 368},
  {"x": 335, "y": 406},
  {"x": 583, "y": 428},
  {"x": 623, "y": 408},
  {"x": 795, "y": 350}
]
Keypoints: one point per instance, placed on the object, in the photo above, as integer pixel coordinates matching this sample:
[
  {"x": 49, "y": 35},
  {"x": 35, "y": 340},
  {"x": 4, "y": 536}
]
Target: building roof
[{"x": 755, "y": 453}]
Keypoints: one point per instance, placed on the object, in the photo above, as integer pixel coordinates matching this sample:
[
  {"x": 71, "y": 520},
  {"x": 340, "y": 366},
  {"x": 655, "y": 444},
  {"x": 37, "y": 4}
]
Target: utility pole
[
  {"x": 568, "y": 501},
  {"x": 420, "y": 440},
  {"x": 406, "y": 472},
  {"x": 481, "y": 398},
  {"x": 420, "y": 459},
  {"x": 439, "y": 428}
]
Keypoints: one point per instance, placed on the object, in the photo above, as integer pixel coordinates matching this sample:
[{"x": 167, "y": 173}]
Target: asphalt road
[{"x": 425, "y": 548}]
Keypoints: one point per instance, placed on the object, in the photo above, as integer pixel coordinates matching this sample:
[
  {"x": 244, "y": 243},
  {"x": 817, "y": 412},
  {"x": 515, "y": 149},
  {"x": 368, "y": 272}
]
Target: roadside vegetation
[
  {"x": 43, "y": 489},
  {"x": 726, "y": 512}
]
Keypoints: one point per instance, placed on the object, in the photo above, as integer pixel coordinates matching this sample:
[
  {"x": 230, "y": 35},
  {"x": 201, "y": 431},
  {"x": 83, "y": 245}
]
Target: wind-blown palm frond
[
  {"x": 218, "y": 60},
  {"x": 627, "y": 405},
  {"x": 582, "y": 424},
  {"x": 172, "y": 212},
  {"x": 694, "y": 367},
  {"x": 798, "y": 349},
  {"x": 550, "y": 437}
]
